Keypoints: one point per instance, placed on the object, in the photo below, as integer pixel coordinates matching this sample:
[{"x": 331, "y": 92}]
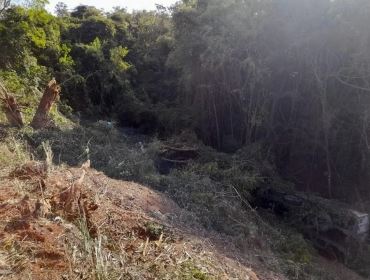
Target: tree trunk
[
  {"x": 11, "y": 108},
  {"x": 51, "y": 94}
]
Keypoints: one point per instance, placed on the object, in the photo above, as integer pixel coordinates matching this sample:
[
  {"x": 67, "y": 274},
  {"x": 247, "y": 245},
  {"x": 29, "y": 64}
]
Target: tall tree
[{"x": 61, "y": 9}]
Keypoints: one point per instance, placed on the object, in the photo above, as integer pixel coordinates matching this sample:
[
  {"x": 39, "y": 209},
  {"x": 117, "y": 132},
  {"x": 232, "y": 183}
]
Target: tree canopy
[{"x": 292, "y": 77}]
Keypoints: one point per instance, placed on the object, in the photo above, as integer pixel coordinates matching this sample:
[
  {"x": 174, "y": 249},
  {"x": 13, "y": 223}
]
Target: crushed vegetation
[
  {"x": 76, "y": 222},
  {"x": 62, "y": 217}
]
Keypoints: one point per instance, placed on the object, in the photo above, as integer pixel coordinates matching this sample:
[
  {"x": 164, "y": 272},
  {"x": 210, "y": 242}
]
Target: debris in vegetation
[
  {"x": 97, "y": 226},
  {"x": 75, "y": 204},
  {"x": 56, "y": 232},
  {"x": 39, "y": 211},
  {"x": 154, "y": 230},
  {"x": 17, "y": 224},
  {"x": 29, "y": 170},
  {"x": 175, "y": 157},
  {"x": 329, "y": 224}
]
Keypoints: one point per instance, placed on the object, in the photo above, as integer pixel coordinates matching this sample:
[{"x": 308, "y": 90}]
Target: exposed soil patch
[
  {"x": 80, "y": 224},
  {"x": 61, "y": 230}
]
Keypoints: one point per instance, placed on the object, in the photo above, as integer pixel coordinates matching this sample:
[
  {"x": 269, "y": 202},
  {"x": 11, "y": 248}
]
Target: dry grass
[
  {"x": 12, "y": 153},
  {"x": 106, "y": 229}
]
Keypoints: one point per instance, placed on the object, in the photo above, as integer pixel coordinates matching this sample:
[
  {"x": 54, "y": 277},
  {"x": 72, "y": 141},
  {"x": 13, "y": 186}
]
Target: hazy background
[{"x": 109, "y": 4}]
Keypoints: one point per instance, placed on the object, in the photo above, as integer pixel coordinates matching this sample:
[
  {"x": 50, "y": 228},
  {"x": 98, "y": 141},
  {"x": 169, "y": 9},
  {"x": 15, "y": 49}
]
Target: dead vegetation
[
  {"x": 51, "y": 94},
  {"x": 61, "y": 222},
  {"x": 76, "y": 219},
  {"x": 42, "y": 118},
  {"x": 10, "y": 107},
  {"x": 29, "y": 170},
  {"x": 68, "y": 223}
]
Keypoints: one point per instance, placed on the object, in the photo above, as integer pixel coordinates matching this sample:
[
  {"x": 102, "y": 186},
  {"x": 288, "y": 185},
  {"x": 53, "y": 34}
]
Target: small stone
[{"x": 58, "y": 220}]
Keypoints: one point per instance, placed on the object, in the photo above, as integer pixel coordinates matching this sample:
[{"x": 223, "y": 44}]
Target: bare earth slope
[
  {"x": 76, "y": 223},
  {"x": 79, "y": 224}
]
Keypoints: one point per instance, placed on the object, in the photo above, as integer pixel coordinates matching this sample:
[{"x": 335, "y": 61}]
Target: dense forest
[
  {"x": 291, "y": 77},
  {"x": 287, "y": 80}
]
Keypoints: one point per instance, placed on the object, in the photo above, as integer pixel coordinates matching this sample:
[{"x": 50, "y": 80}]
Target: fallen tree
[{"x": 10, "y": 107}]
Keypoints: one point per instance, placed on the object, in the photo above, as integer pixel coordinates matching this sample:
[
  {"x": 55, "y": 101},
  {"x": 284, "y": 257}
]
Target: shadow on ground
[{"x": 226, "y": 223}]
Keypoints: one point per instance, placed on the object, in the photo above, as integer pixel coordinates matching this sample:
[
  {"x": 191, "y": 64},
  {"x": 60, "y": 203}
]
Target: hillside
[
  {"x": 212, "y": 139},
  {"x": 62, "y": 222},
  {"x": 98, "y": 227}
]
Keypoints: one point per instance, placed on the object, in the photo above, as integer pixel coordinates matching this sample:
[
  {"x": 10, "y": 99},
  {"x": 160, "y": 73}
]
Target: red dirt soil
[{"x": 47, "y": 222}]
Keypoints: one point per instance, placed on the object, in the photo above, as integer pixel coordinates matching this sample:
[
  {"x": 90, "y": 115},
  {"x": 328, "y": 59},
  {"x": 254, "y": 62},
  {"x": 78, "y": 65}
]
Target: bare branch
[
  {"x": 352, "y": 85},
  {"x": 4, "y": 4}
]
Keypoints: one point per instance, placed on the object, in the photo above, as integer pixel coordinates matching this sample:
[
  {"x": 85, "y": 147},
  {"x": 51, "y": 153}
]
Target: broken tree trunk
[
  {"x": 10, "y": 107},
  {"x": 51, "y": 94}
]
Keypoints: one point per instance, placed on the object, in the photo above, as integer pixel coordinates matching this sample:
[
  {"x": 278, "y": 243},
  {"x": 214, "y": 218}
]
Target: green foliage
[
  {"x": 109, "y": 65},
  {"x": 28, "y": 96},
  {"x": 31, "y": 45},
  {"x": 117, "y": 56},
  {"x": 119, "y": 67},
  {"x": 94, "y": 48},
  {"x": 23, "y": 91},
  {"x": 93, "y": 27},
  {"x": 11, "y": 81},
  {"x": 83, "y": 11},
  {"x": 65, "y": 60},
  {"x": 213, "y": 187},
  {"x": 104, "y": 146},
  {"x": 283, "y": 74},
  {"x": 296, "y": 249},
  {"x": 35, "y": 4},
  {"x": 235, "y": 72},
  {"x": 190, "y": 272},
  {"x": 153, "y": 230},
  {"x": 281, "y": 86}
]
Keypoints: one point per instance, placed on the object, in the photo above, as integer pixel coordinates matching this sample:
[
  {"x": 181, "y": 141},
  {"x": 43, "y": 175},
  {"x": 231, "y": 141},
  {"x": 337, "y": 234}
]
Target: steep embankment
[
  {"x": 76, "y": 222},
  {"x": 62, "y": 222}
]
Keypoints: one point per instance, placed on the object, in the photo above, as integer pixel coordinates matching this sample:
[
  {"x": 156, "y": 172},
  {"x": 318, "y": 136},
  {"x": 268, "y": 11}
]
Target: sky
[{"x": 109, "y": 4}]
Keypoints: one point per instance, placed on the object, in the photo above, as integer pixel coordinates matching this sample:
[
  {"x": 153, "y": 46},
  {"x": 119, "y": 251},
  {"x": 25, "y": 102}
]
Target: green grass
[{"x": 189, "y": 271}]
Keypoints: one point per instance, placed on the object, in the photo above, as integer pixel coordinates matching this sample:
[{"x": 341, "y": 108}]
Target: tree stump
[
  {"x": 51, "y": 94},
  {"x": 10, "y": 108}
]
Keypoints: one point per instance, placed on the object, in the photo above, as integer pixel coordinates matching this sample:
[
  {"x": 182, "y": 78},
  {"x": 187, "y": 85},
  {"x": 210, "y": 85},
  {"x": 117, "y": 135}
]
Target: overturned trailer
[{"x": 333, "y": 227}]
